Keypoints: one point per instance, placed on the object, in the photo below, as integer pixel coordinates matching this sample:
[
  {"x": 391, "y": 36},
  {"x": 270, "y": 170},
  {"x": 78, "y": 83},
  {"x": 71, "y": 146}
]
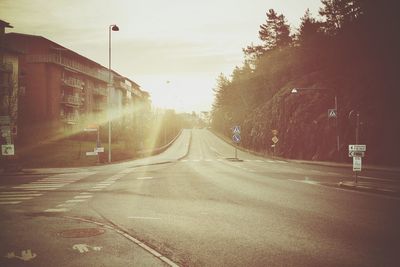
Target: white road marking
[
  {"x": 10, "y": 202},
  {"x": 75, "y": 200},
  {"x": 306, "y": 181},
  {"x": 19, "y": 195},
  {"x": 144, "y": 178},
  {"x": 56, "y": 210},
  {"x": 15, "y": 198},
  {"x": 144, "y": 218},
  {"x": 377, "y": 179},
  {"x": 82, "y": 197},
  {"x": 68, "y": 205}
]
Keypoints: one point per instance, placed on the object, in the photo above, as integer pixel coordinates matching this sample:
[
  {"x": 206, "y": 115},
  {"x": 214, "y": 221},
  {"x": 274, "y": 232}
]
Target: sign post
[
  {"x": 236, "y": 137},
  {"x": 357, "y": 152}
]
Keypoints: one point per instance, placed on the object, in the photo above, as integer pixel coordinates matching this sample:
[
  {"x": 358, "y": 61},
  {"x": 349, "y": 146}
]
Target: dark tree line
[{"x": 352, "y": 51}]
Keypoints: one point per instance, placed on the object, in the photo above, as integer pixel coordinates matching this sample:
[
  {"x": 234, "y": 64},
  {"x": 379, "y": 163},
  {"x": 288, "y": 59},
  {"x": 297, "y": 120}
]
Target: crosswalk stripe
[
  {"x": 10, "y": 202},
  {"x": 15, "y": 198}
]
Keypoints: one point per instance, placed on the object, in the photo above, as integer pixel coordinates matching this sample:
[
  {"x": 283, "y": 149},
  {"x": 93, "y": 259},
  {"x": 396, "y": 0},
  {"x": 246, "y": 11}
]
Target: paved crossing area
[{"x": 19, "y": 193}]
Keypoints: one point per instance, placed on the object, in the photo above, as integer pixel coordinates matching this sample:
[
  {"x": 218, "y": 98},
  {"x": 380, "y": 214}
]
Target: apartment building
[{"x": 65, "y": 91}]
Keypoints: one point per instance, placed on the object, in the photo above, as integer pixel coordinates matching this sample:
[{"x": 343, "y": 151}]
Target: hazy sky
[{"x": 186, "y": 42}]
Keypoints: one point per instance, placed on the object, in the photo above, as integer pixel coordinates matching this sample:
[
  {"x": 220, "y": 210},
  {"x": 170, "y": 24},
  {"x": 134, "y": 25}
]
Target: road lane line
[
  {"x": 83, "y": 197},
  {"x": 75, "y": 200},
  {"x": 144, "y": 218},
  {"x": 145, "y": 178},
  {"x": 377, "y": 179},
  {"x": 57, "y": 210}
]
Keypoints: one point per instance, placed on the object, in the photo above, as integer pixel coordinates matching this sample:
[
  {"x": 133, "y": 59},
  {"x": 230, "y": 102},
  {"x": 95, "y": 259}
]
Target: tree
[
  {"x": 275, "y": 33},
  {"x": 309, "y": 28},
  {"x": 338, "y": 13}
]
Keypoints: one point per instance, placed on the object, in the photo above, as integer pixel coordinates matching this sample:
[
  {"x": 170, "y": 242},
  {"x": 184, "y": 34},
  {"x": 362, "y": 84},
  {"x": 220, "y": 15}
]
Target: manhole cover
[{"x": 81, "y": 232}]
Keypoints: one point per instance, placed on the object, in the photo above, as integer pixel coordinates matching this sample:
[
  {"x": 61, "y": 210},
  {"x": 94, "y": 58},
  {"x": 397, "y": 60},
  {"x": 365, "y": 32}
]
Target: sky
[{"x": 174, "y": 49}]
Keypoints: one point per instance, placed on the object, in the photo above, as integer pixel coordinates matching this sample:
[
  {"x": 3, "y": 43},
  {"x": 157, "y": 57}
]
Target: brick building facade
[{"x": 65, "y": 91}]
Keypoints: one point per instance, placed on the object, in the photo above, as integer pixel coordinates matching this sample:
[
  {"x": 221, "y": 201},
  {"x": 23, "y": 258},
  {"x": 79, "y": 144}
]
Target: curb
[
  {"x": 320, "y": 163},
  {"x": 37, "y": 171},
  {"x": 370, "y": 189}
]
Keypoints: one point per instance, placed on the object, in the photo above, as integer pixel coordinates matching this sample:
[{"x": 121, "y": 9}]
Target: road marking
[
  {"x": 144, "y": 178},
  {"x": 377, "y": 179},
  {"x": 75, "y": 200},
  {"x": 306, "y": 181},
  {"x": 20, "y": 195},
  {"x": 144, "y": 218},
  {"x": 82, "y": 197},
  {"x": 15, "y": 198},
  {"x": 68, "y": 205},
  {"x": 10, "y": 202},
  {"x": 56, "y": 210}
]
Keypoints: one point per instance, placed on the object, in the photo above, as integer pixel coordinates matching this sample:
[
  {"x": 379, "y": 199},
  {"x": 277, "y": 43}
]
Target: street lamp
[
  {"x": 115, "y": 28},
  {"x": 296, "y": 90}
]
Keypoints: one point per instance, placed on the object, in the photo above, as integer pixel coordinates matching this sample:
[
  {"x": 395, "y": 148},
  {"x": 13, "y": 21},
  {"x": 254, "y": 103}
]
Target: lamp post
[
  {"x": 296, "y": 90},
  {"x": 112, "y": 27}
]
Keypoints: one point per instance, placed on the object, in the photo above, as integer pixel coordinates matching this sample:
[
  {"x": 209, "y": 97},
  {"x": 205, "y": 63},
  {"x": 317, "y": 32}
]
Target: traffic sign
[
  {"x": 356, "y": 153},
  {"x": 275, "y": 139},
  {"x": 236, "y": 138},
  {"x": 357, "y": 148},
  {"x": 236, "y": 129},
  {"x": 332, "y": 113},
  {"x": 99, "y": 149},
  {"x": 7, "y": 150},
  {"x": 357, "y": 164},
  {"x": 91, "y": 153},
  {"x": 90, "y": 129},
  {"x": 274, "y": 132}
]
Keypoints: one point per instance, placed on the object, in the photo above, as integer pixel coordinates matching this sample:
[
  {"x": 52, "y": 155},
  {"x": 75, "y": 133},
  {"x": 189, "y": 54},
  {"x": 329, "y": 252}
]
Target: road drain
[{"x": 81, "y": 232}]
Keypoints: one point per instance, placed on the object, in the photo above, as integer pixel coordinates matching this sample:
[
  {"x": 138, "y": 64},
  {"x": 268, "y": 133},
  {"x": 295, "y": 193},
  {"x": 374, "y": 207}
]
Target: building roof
[{"x": 55, "y": 46}]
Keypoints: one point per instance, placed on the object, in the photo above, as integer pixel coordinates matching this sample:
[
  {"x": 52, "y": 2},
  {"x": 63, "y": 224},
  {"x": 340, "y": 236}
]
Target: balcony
[
  {"x": 71, "y": 100},
  {"x": 69, "y": 118},
  {"x": 98, "y": 73},
  {"x": 100, "y": 91},
  {"x": 99, "y": 106},
  {"x": 6, "y": 67},
  {"x": 72, "y": 82}
]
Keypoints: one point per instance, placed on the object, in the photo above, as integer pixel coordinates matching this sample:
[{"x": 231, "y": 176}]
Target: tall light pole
[
  {"x": 296, "y": 90},
  {"x": 112, "y": 27}
]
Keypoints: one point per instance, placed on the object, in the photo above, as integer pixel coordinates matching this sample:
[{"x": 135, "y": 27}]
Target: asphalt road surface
[{"x": 194, "y": 205}]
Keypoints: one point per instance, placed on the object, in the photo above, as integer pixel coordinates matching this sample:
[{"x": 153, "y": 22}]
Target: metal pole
[
  {"x": 98, "y": 143},
  {"x": 357, "y": 132},
  {"x": 109, "y": 94},
  {"x": 337, "y": 128}
]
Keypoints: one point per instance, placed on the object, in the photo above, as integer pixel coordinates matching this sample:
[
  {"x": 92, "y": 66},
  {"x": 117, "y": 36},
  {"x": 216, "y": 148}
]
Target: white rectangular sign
[
  {"x": 357, "y": 148},
  {"x": 90, "y": 130},
  {"x": 7, "y": 150},
  {"x": 91, "y": 153},
  {"x": 357, "y": 164},
  {"x": 99, "y": 149}
]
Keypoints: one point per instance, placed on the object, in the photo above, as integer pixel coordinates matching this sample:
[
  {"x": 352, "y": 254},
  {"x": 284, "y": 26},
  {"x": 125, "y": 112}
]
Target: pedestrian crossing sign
[
  {"x": 332, "y": 113},
  {"x": 236, "y": 129}
]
